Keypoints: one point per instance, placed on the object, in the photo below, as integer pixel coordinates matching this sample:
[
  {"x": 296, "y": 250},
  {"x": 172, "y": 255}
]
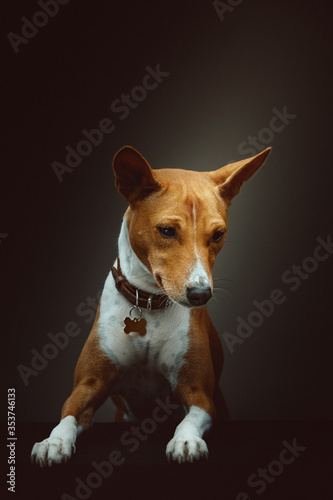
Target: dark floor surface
[{"x": 238, "y": 450}]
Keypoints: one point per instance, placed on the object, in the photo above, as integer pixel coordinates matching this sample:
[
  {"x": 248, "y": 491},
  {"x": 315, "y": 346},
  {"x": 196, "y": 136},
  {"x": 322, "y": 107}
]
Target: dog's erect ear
[
  {"x": 134, "y": 178},
  {"x": 231, "y": 177}
]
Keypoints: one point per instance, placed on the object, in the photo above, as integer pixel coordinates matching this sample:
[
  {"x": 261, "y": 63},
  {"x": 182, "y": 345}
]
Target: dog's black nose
[{"x": 198, "y": 296}]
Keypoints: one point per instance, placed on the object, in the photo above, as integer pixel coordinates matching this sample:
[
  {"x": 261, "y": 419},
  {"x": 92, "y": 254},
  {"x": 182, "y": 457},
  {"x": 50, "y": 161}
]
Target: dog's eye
[
  {"x": 217, "y": 236},
  {"x": 167, "y": 231}
]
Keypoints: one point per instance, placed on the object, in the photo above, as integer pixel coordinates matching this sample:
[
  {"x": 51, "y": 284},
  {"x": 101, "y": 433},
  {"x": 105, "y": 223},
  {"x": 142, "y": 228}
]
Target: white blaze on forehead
[
  {"x": 199, "y": 276},
  {"x": 195, "y": 224},
  {"x": 194, "y": 211}
]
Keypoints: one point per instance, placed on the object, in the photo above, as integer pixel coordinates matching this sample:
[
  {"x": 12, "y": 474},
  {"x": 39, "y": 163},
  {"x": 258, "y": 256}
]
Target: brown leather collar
[{"x": 145, "y": 300}]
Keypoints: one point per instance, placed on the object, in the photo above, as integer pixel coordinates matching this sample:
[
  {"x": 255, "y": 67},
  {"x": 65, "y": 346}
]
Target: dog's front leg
[
  {"x": 187, "y": 444},
  {"x": 195, "y": 392},
  {"x": 94, "y": 378}
]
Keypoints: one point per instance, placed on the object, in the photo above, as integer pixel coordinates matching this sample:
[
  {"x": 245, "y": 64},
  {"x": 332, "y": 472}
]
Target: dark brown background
[{"x": 225, "y": 79}]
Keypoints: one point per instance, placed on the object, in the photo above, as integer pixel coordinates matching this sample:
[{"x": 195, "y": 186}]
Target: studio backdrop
[{"x": 191, "y": 85}]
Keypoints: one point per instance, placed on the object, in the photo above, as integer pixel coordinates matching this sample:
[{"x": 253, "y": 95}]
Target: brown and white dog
[{"x": 152, "y": 336}]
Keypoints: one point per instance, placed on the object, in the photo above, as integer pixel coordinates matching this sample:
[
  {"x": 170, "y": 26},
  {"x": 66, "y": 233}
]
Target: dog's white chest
[{"x": 160, "y": 350}]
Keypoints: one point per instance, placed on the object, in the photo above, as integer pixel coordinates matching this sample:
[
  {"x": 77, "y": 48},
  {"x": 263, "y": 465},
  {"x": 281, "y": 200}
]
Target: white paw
[
  {"x": 53, "y": 450},
  {"x": 184, "y": 448}
]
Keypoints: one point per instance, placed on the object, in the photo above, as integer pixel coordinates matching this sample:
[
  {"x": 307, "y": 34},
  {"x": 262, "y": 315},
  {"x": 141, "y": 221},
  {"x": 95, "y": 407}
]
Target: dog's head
[{"x": 177, "y": 219}]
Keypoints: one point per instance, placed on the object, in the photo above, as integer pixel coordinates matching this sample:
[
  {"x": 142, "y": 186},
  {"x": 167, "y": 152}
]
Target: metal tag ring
[{"x": 138, "y": 310}]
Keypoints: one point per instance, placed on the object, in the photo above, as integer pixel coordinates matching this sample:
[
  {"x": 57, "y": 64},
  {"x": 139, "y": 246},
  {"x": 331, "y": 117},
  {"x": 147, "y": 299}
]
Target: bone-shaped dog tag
[{"x": 136, "y": 325}]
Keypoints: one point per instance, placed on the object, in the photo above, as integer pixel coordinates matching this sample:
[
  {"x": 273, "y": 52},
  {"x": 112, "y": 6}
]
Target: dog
[{"x": 152, "y": 336}]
